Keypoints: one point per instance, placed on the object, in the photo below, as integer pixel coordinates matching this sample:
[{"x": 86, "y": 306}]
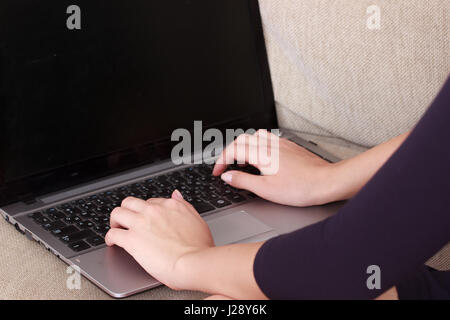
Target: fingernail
[
  {"x": 227, "y": 177},
  {"x": 177, "y": 194}
]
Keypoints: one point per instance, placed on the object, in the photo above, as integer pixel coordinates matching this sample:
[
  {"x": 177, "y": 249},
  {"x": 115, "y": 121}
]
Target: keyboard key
[
  {"x": 73, "y": 237},
  {"x": 236, "y": 198},
  {"x": 50, "y": 211},
  {"x": 79, "y": 246},
  {"x": 69, "y": 220},
  {"x": 54, "y": 225},
  {"x": 102, "y": 229},
  {"x": 220, "y": 203},
  {"x": 211, "y": 196},
  {"x": 42, "y": 220},
  {"x": 89, "y": 224},
  {"x": 97, "y": 219},
  {"x": 203, "y": 207},
  {"x": 84, "y": 214},
  {"x": 85, "y": 224},
  {"x": 227, "y": 191},
  {"x": 95, "y": 241},
  {"x": 56, "y": 215},
  {"x": 35, "y": 215},
  {"x": 63, "y": 207},
  {"x": 71, "y": 211},
  {"x": 59, "y": 232}
]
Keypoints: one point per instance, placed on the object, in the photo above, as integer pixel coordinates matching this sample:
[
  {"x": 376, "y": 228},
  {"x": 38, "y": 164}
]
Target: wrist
[
  {"x": 348, "y": 177},
  {"x": 329, "y": 185},
  {"x": 225, "y": 270},
  {"x": 345, "y": 180},
  {"x": 189, "y": 269},
  {"x": 340, "y": 186}
]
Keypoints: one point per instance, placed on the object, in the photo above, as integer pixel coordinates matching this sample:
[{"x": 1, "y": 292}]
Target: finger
[
  {"x": 177, "y": 195},
  {"x": 122, "y": 218},
  {"x": 267, "y": 139},
  {"x": 242, "y": 180},
  {"x": 134, "y": 204},
  {"x": 118, "y": 237},
  {"x": 241, "y": 150},
  {"x": 221, "y": 162}
]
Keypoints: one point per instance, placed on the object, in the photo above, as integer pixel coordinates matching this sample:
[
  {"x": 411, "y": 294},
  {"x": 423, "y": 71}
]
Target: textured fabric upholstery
[{"x": 334, "y": 76}]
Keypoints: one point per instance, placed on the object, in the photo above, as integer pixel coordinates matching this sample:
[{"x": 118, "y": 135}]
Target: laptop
[{"x": 87, "y": 114}]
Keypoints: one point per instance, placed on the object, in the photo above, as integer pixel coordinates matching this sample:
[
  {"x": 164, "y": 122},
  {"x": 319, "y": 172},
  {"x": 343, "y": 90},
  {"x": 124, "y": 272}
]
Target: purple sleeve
[
  {"x": 425, "y": 284},
  {"x": 397, "y": 222}
]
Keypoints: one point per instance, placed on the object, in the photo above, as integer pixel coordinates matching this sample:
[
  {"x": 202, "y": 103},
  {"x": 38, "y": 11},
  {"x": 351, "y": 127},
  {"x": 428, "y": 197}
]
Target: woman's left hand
[{"x": 158, "y": 233}]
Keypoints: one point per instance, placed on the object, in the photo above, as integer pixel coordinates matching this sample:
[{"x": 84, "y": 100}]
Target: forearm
[
  {"x": 350, "y": 176},
  {"x": 395, "y": 223},
  {"x": 226, "y": 270}
]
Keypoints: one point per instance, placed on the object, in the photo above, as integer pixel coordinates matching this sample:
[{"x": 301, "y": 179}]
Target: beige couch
[{"x": 336, "y": 81}]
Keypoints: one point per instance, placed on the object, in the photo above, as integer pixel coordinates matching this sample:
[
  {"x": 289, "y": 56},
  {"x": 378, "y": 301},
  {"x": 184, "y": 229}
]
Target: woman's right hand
[
  {"x": 295, "y": 176},
  {"x": 291, "y": 175}
]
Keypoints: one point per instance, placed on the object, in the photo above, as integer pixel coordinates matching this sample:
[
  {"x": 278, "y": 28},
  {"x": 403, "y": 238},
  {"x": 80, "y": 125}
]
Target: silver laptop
[{"x": 87, "y": 115}]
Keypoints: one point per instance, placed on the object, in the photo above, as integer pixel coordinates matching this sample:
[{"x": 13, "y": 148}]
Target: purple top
[{"x": 399, "y": 220}]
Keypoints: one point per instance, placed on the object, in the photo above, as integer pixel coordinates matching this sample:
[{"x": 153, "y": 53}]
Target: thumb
[{"x": 242, "y": 180}]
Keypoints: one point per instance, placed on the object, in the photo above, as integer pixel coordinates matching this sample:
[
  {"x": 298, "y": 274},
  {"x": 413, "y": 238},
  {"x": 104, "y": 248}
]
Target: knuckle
[
  {"x": 142, "y": 219},
  {"x": 150, "y": 209},
  {"x": 155, "y": 213},
  {"x": 127, "y": 200},
  {"x": 115, "y": 212},
  {"x": 169, "y": 203}
]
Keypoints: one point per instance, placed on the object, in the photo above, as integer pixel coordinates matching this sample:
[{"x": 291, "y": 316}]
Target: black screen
[{"x": 133, "y": 73}]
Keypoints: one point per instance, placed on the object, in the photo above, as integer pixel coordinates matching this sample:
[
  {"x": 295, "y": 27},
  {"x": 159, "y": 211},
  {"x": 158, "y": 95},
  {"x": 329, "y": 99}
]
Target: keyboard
[{"x": 82, "y": 224}]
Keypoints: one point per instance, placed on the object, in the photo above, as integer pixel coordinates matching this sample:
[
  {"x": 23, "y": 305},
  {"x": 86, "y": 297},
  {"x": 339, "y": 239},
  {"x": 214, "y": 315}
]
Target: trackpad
[{"x": 236, "y": 227}]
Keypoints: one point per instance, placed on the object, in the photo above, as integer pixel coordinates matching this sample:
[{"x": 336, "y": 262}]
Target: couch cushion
[{"x": 334, "y": 76}]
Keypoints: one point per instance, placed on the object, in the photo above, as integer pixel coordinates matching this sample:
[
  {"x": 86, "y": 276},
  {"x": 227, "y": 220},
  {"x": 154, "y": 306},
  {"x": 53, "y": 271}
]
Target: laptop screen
[{"x": 100, "y": 89}]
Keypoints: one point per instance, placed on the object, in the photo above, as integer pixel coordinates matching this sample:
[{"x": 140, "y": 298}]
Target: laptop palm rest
[
  {"x": 236, "y": 227},
  {"x": 116, "y": 272}
]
